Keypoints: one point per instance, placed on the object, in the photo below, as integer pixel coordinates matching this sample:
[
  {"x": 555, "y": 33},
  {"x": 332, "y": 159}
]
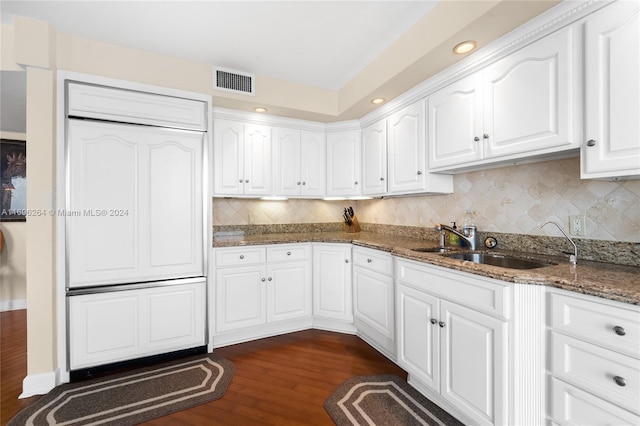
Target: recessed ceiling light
[
  {"x": 260, "y": 109},
  {"x": 377, "y": 101},
  {"x": 465, "y": 47}
]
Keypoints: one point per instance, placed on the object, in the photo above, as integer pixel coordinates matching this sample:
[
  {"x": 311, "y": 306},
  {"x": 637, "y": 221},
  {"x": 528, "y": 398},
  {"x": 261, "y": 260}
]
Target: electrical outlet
[{"x": 578, "y": 225}]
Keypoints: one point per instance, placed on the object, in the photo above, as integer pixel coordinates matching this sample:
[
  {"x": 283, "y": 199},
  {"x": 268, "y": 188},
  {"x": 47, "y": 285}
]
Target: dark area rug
[
  {"x": 383, "y": 400},
  {"x": 133, "y": 397}
]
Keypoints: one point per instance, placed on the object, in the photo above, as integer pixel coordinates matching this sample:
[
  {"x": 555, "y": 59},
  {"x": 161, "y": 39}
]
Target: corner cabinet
[
  {"x": 241, "y": 159},
  {"x": 298, "y": 163},
  {"x": 611, "y": 149},
  {"x": 374, "y": 159},
  {"x": 442, "y": 318},
  {"x": 522, "y": 106},
  {"x": 343, "y": 164}
]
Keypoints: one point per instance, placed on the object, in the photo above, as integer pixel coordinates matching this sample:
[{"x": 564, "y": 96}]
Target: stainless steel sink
[{"x": 498, "y": 260}]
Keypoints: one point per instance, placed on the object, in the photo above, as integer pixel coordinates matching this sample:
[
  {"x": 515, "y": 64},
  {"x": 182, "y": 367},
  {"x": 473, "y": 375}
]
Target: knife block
[{"x": 354, "y": 227}]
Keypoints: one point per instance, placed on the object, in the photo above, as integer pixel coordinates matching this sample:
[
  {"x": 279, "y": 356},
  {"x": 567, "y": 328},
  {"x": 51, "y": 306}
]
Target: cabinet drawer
[
  {"x": 597, "y": 321},
  {"x": 283, "y": 252},
  {"x": 240, "y": 256},
  {"x": 572, "y": 406},
  {"x": 374, "y": 260},
  {"x": 489, "y": 296},
  {"x": 594, "y": 368}
]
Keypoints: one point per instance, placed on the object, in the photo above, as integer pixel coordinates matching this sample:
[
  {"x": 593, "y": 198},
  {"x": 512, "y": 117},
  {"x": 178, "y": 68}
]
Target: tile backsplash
[{"x": 514, "y": 199}]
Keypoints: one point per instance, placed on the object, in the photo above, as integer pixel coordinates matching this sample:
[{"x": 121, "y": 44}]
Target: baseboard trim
[
  {"x": 13, "y": 305},
  {"x": 38, "y": 384}
]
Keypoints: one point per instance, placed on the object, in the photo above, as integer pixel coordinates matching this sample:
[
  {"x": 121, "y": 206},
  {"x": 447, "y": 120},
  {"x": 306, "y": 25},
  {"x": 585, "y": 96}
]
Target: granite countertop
[{"x": 609, "y": 281}]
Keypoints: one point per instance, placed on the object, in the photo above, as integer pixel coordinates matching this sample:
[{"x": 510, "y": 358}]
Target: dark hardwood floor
[{"x": 281, "y": 380}]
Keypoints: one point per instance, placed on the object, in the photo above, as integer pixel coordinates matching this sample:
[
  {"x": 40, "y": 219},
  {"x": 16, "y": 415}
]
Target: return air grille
[{"x": 233, "y": 81}]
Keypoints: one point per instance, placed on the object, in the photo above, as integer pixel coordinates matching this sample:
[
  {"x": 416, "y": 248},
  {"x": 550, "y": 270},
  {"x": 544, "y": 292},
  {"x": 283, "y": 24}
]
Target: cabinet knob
[
  {"x": 620, "y": 381},
  {"x": 304, "y": 183},
  {"x": 356, "y": 182},
  {"x": 619, "y": 330},
  {"x": 246, "y": 181},
  {"x": 241, "y": 181},
  {"x": 441, "y": 324},
  {"x": 477, "y": 139},
  {"x": 433, "y": 321},
  {"x": 298, "y": 183},
  {"x": 591, "y": 142},
  {"x": 485, "y": 136},
  {"x": 368, "y": 260},
  {"x": 269, "y": 279},
  {"x": 346, "y": 261},
  {"x": 263, "y": 280},
  {"x": 381, "y": 178},
  {"x": 242, "y": 256},
  {"x": 288, "y": 253},
  {"x": 419, "y": 172}
]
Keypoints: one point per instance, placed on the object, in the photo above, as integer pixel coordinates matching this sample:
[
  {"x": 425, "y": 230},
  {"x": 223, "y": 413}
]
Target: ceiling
[{"x": 358, "y": 49}]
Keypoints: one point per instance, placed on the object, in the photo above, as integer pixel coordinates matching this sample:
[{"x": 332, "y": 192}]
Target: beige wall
[{"x": 513, "y": 199}]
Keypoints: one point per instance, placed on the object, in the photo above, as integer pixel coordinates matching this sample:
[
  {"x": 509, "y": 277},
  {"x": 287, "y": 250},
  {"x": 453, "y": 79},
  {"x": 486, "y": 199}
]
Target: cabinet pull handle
[
  {"x": 485, "y": 136},
  {"x": 619, "y": 330},
  {"x": 263, "y": 280},
  {"x": 620, "y": 381},
  {"x": 433, "y": 321},
  {"x": 242, "y": 256},
  {"x": 441, "y": 324},
  {"x": 288, "y": 253},
  {"x": 419, "y": 172},
  {"x": 369, "y": 261},
  {"x": 591, "y": 142},
  {"x": 477, "y": 139},
  {"x": 269, "y": 279}
]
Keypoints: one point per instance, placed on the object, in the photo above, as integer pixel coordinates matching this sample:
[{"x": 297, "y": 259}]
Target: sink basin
[
  {"x": 498, "y": 260},
  {"x": 432, "y": 250}
]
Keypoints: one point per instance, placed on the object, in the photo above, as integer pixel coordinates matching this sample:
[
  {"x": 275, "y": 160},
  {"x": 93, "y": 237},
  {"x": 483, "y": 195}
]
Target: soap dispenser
[
  {"x": 454, "y": 240},
  {"x": 467, "y": 224}
]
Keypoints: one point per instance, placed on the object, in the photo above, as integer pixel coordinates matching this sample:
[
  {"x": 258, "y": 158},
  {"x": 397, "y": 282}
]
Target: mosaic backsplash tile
[{"x": 512, "y": 200}]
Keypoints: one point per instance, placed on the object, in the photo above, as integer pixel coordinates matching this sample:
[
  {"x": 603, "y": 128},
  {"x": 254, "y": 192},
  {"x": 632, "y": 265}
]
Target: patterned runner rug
[
  {"x": 132, "y": 397},
  {"x": 383, "y": 400}
]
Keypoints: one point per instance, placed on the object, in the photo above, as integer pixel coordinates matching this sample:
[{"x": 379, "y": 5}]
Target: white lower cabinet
[
  {"x": 373, "y": 299},
  {"x": 122, "y": 325},
  {"x": 332, "y": 295},
  {"x": 454, "y": 352},
  {"x": 594, "y": 361},
  {"x": 261, "y": 291}
]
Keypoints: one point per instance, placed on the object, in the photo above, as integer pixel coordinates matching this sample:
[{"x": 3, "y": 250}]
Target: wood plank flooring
[{"x": 282, "y": 380}]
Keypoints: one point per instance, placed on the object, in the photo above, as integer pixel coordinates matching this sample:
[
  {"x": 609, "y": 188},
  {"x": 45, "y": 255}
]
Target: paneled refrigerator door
[{"x": 134, "y": 207}]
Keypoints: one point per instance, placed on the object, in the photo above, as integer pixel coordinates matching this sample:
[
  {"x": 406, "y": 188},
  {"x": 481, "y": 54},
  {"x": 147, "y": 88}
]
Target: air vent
[{"x": 233, "y": 81}]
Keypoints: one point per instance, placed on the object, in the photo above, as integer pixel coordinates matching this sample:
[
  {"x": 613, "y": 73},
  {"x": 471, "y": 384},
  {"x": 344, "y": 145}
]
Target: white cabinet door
[
  {"x": 528, "y": 98},
  {"x": 612, "y": 66},
  {"x": 286, "y": 162},
  {"x": 313, "y": 166},
  {"x": 374, "y": 159},
  {"x": 288, "y": 291},
  {"x": 343, "y": 164},
  {"x": 473, "y": 359},
  {"x": 418, "y": 338},
  {"x": 240, "y": 297},
  {"x": 120, "y": 174},
  {"x": 332, "y": 296},
  {"x": 373, "y": 301},
  {"x": 116, "y": 326},
  {"x": 455, "y": 123},
  {"x": 257, "y": 160},
  {"x": 228, "y": 158},
  {"x": 407, "y": 154}
]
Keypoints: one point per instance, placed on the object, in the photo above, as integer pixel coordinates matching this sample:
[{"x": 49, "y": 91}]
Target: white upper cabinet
[
  {"x": 119, "y": 174},
  {"x": 343, "y": 164},
  {"x": 611, "y": 146},
  {"x": 242, "y": 159},
  {"x": 298, "y": 163},
  {"x": 407, "y": 154},
  {"x": 521, "y": 106},
  {"x": 374, "y": 159}
]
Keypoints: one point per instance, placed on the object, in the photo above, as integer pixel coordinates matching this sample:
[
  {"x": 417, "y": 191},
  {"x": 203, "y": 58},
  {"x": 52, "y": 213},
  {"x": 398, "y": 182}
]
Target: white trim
[
  {"x": 220, "y": 113},
  {"x": 13, "y": 305},
  {"x": 38, "y": 384}
]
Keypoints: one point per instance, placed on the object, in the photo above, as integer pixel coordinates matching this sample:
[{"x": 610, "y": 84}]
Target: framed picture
[{"x": 13, "y": 180}]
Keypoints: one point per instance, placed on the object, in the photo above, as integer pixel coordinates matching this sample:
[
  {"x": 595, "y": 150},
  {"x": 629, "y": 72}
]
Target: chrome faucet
[
  {"x": 573, "y": 259},
  {"x": 468, "y": 234}
]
